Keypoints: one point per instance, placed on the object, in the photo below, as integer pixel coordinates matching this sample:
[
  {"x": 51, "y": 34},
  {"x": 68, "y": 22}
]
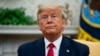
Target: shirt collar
[{"x": 56, "y": 43}]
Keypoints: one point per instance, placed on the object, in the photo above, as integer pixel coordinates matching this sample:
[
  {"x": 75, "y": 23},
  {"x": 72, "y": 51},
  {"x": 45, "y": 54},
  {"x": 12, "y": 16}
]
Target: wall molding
[{"x": 32, "y": 29}]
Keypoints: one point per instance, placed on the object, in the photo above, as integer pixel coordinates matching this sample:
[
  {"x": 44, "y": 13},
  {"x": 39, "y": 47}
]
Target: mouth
[{"x": 50, "y": 27}]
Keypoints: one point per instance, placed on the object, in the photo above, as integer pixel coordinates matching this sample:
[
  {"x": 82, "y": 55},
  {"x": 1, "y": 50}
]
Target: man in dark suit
[{"x": 51, "y": 21}]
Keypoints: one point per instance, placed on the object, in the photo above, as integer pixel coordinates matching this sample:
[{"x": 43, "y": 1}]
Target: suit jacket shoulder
[
  {"x": 73, "y": 48},
  {"x": 34, "y": 48}
]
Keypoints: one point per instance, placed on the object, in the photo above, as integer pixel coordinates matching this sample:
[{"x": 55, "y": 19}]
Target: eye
[
  {"x": 44, "y": 17},
  {"x": 53, "y": 16}
]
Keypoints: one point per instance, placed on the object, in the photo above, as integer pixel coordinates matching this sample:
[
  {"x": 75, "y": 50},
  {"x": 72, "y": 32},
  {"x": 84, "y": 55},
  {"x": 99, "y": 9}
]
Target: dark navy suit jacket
[{"x": 68, "y": 48}]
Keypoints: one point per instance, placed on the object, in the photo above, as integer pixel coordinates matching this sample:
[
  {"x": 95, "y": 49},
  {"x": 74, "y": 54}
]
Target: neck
[{"x": 52, "y": 37}]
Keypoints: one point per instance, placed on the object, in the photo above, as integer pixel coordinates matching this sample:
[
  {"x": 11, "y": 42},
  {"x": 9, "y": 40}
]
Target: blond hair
[{"x": 64, "y": 9}]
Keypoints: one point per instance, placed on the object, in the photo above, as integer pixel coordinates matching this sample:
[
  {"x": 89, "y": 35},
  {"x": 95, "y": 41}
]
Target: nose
[{"x": 49, "y": 20}]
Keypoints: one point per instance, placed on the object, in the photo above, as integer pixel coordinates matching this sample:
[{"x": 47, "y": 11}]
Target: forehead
[{"x": 50, "y": 11}]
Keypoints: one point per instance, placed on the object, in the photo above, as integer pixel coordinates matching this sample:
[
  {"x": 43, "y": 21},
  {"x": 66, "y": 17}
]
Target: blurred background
[{"x": 18, "y": 23}]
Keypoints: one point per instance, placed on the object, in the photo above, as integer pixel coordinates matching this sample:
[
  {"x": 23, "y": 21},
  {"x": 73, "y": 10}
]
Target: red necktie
[{"x": 50, "y": 51}]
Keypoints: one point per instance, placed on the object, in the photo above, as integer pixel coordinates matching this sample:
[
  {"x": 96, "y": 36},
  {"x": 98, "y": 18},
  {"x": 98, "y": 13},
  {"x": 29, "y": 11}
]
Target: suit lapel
[{"x": 65, "y": 48}]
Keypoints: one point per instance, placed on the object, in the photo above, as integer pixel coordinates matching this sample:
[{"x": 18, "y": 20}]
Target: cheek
[
  {"x": 41, "y": 25},
  {"x": 60, "y": 24}
]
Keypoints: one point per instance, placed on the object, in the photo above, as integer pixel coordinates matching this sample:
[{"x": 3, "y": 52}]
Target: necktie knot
[{"x": 51, "y": 45}]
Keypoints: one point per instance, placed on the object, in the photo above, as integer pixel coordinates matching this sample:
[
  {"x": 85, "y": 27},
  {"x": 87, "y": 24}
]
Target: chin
[{"x": 51, "y": 32}]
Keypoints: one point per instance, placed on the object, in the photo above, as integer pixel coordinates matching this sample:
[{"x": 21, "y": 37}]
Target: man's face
[{"x": 51, "y": 21}]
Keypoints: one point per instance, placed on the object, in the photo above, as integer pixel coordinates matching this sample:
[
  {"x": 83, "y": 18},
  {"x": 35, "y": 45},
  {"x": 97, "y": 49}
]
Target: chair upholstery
[{"x": 94, "y": 47}]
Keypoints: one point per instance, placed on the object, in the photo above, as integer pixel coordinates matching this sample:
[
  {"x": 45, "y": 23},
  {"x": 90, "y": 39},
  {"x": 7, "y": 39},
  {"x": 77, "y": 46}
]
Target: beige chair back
[{"x": 93, "y": 46}]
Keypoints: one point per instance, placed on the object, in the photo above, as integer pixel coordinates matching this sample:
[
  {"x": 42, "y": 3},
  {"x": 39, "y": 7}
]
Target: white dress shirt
[{"x": 57, "y": 44}]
